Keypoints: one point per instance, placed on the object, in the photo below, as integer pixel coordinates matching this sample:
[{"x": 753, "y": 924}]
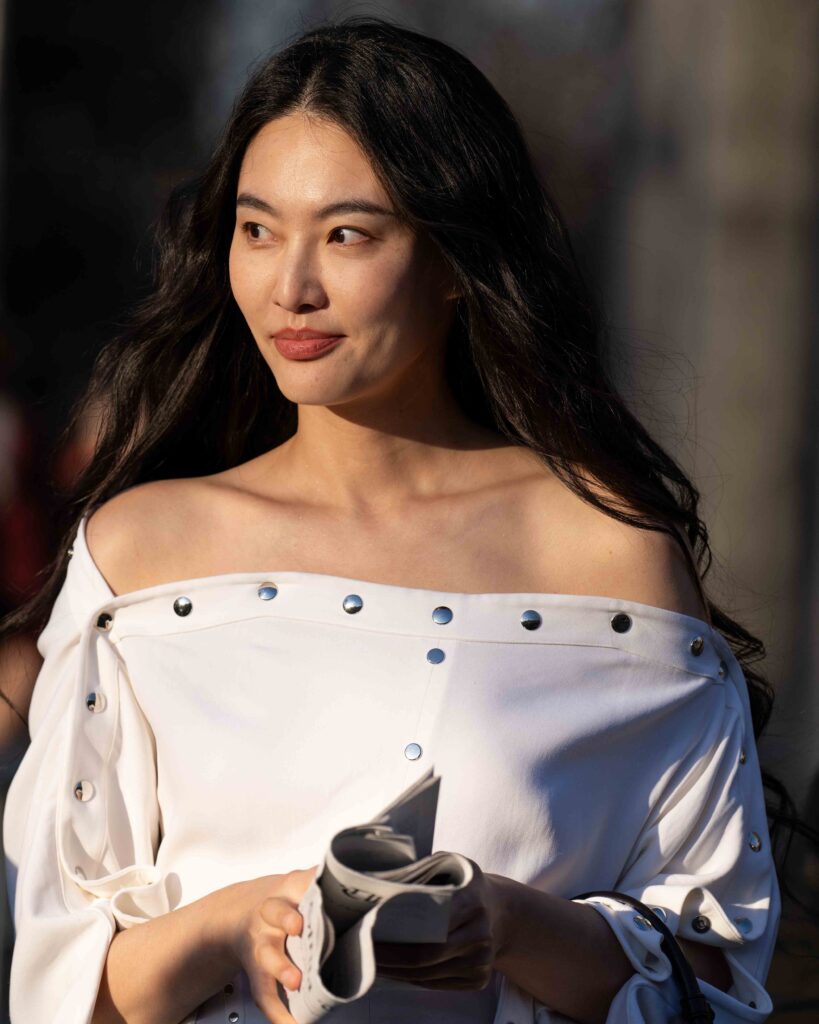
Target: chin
[{"x": 313, "y": 394}]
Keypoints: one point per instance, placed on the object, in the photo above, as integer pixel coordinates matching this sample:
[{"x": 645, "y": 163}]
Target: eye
[
  {"x": 355, "y": 231},
  {"x": 253, "y": 230}
]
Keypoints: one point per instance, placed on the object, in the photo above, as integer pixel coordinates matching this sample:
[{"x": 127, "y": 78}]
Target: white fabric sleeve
[
  {"x": 78, "y": 869},
  {"x": 704, "y": 859}
]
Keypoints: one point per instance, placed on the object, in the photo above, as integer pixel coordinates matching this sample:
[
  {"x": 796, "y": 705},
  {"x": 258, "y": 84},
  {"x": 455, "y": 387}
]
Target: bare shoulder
[
  {"x": 648, "y": 566},
  {"x": 601, "y": 555},
  {"x": 140, "y": 534}
]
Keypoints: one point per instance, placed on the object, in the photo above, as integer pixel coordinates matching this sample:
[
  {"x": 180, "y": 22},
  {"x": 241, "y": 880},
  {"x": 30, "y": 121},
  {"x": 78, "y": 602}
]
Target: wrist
[
  {"x": 223, "y": 914},
  {"x": 503, "y": 891}
]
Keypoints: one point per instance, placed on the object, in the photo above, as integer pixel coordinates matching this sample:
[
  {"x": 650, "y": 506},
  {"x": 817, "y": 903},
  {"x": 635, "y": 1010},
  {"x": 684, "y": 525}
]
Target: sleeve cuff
[{"x": 650, "y": 995}]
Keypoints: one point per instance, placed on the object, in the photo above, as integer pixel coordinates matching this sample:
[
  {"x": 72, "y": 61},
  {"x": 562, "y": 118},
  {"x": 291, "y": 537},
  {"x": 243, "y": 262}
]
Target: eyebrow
[{"x": 351, "y": 205}]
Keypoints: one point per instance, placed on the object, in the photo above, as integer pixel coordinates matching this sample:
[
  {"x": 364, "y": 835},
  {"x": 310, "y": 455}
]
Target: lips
[
  {"x": 305, "y": 344},
  {"x": 304, "y": 332}
]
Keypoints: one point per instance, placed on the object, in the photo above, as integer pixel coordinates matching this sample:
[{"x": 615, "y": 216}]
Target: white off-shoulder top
[{"x": 196, "y": 733}]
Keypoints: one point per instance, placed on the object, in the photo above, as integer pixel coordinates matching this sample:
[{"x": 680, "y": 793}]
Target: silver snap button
[
  {"x": 621, "y": 623},
  {"x": 95, "y": 701},
  {"x": 722, "y": 671},
  {"x": 642, "y": 923},
  {"x": 233, "y": 1016},
  {"x": 83, "y": 790},
  {"x": 104, "y": 621},
  {"x": 697, "y": 645},
  {"x": 743, "y": 924},
  {"x": 267, "y": 591},
  {"x": 442, "y": 615},
  {"x": 755, "y": 842},
  {"x": 531, "y": 619},
  {"x": 183, "y": 606},
  {"x": 661, "y": 914},
  {"x": 352, "y": 603},
  {"x": 412, "y": 751},
  {"x": 701, "y": 924},
  {"x": 435, "y": 655},
  {"x": 70, "y": 552}
]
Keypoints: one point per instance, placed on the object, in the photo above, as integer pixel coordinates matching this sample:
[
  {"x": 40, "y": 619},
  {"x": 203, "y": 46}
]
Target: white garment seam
[{"x": 116, "y": 637}]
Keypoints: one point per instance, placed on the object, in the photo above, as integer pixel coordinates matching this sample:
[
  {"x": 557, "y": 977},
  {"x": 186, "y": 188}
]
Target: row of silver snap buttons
[
  {"x": 353, "y": 603},
  {"x": 700, "y": 923},
  {"x": 95, "y": 702},
  {"x": 233, "y": 1016}
]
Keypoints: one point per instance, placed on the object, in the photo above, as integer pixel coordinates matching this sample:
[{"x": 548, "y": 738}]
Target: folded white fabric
[{"x": 650, "y": 996}]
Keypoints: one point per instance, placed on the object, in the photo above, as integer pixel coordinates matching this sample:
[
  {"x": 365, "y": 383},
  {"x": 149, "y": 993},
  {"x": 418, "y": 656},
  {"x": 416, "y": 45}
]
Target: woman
[{"x": 365, "y": 501}]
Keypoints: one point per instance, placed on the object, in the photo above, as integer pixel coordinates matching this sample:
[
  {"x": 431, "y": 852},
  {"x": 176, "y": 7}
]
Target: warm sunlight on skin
[{"x": 365, "y": 275}]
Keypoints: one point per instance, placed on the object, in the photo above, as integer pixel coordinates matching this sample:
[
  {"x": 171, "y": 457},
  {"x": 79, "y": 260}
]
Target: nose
[{"x": 298, "y": 286}]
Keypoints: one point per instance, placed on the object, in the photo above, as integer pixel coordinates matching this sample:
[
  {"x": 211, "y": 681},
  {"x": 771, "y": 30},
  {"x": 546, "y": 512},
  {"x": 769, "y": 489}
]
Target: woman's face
[{"x": 357, "y": 273}]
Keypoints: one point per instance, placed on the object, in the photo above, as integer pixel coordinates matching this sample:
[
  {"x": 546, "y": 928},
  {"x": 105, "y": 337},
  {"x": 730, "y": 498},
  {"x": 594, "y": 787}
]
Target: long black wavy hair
[{"x": 184, "y": 391}]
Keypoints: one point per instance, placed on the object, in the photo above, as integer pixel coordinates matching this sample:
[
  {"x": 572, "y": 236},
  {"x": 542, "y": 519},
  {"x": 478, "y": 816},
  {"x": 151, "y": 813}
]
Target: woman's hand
[
  {"x": 265, "y": 914},
  {"x": 477, "y": 935}
]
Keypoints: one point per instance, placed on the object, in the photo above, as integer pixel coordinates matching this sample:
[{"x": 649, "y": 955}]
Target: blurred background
[{"x": 679, "y": 138}]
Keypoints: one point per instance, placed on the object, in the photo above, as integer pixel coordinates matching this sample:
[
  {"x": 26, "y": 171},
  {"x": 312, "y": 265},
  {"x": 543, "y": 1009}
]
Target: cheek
[
  {"x": 383, "y": 292},
  {"x": 243, "y": 282}
]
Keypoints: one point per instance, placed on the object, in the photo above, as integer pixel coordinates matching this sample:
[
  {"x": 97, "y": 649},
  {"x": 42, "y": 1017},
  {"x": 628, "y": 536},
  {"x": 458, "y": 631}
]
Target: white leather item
[{"x": 233, "y": 740}]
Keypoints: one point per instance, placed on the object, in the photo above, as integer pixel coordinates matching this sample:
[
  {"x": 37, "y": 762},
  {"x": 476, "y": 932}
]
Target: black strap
[{"x": 694, "y": 1006}]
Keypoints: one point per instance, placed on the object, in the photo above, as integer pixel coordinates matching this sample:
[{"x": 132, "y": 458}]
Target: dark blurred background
[{"x": 680, "y": 139}]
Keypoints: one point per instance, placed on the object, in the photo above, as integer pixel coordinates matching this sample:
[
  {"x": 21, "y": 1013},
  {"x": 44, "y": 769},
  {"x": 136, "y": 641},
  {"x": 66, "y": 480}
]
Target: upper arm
[
  {"x": 619, "y": 560},
  {"x": 20, "y": 663}
]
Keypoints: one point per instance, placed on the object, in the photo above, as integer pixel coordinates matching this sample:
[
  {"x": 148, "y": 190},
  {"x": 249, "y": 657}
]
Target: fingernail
[
  {"x": 290, "y": 978},
  {"x": 291, "y": 922}
]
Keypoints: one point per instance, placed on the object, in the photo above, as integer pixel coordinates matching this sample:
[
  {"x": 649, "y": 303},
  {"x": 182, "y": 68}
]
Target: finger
[
  {"x": 475, "y": 970},
  {"x": 466, "y": 913},
  {"x": 465, "y": 940},
  {"x": 297, "y": 881},
  {"x": 455, "y": 984},
  {"x": 464, "y": 906},
  {"x": 274, "y": 962},
  {"x": 467, "y": 975},
  {"x": 285, "y": 1015},
  {"x": 281, "y": 913},
  {"x": 414, "y": 955},
  {"x": 265, "y": 994},
  {"x": 469, "y": 901}
]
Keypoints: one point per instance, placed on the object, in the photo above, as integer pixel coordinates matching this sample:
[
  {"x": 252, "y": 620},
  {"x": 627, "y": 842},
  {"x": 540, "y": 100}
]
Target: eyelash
[{"x": 248, "y": 225}]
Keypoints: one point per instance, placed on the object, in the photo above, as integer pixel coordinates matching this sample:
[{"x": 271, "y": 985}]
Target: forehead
[{"x": 301, "y": 157}]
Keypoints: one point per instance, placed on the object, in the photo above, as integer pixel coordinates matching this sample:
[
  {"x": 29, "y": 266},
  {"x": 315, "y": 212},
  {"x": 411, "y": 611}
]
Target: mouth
[{"x": 306, "y": 348}]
